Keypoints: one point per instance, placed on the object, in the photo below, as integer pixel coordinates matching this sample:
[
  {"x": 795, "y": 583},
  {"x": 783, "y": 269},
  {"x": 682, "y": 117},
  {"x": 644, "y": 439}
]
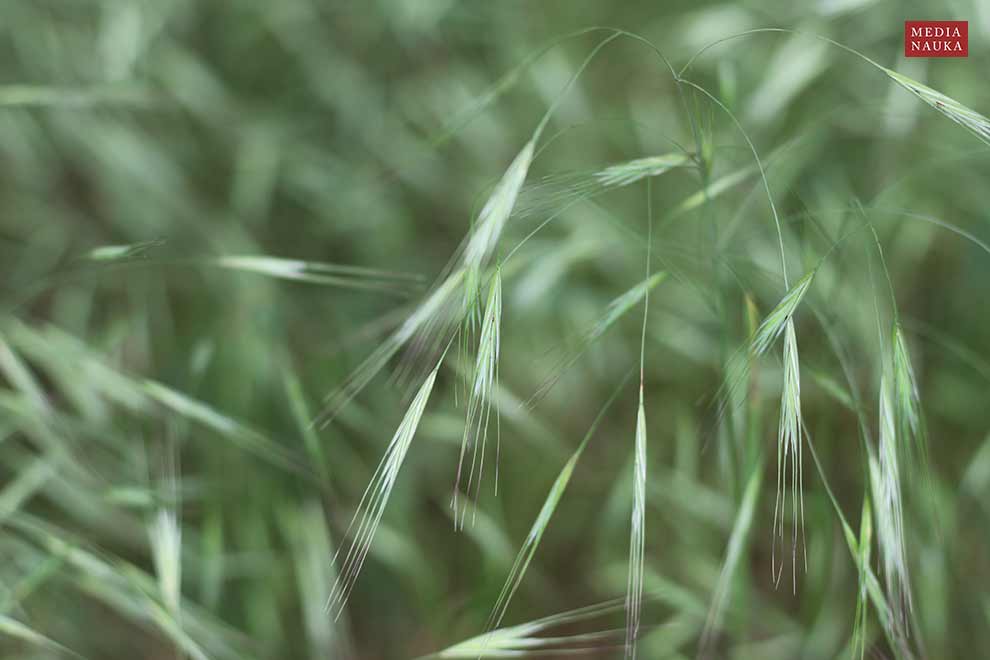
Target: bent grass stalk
[{"x": 613, "y": 312}]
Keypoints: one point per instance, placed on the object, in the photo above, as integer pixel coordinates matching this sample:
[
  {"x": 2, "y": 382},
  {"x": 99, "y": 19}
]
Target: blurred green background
[{"x": 147, "y": 380}]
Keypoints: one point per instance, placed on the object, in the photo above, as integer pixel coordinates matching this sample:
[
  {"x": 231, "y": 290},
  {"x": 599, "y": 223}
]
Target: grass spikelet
[
  {"x": 637, "y": 536},
  {"x": 166, "y": 546},
  {"x": 123, "y": 252},
  {"x": 789, "y": 442},
  {"x": 765, "y": 336},
  {"x": 951, "y": 108},
  {"x": 637, "y": 528},
  {"x": 317, "y": 272},
  {"x": 496, "y": 211},
  {"x": 372, "y": 504},
  {"x": 775, "y": 323},
  {"x": 553, "y": 194},
  {"x": 906, "y": 397},
  {"x": 481, "y": 243},
  {"x": 624, "y": 174},
  {"x": 521, "y": 640},
  {"x": 166, "y": 538},
  {"x": 479, "y": 406},
  {"x": 887, "y": 501}
]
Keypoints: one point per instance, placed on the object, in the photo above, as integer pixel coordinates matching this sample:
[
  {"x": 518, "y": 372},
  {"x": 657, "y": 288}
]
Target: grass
[
  {"x": 280, "y": 280},
  {"x": 375, "y": 497}
]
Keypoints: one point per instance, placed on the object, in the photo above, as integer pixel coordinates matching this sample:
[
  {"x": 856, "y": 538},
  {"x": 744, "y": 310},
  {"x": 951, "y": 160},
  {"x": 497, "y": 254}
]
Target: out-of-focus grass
[{"x": 214, "y": 215}]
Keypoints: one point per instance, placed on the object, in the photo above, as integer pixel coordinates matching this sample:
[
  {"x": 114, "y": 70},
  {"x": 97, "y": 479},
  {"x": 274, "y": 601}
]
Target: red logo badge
[{"x": 936, "y": 38}]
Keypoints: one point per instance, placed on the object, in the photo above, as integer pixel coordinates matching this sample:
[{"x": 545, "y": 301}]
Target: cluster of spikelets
[
  {"x": 453, "y": 309},
  {"x": 466, "y": 305}
]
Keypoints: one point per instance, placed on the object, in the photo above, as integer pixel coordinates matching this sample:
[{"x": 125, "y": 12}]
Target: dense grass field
[{"x": 461, "y": 329}]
